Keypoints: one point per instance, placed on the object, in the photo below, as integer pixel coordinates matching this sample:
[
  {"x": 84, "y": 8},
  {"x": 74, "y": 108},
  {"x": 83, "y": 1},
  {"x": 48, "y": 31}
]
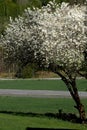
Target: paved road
[{"x": 38, "y": 93}]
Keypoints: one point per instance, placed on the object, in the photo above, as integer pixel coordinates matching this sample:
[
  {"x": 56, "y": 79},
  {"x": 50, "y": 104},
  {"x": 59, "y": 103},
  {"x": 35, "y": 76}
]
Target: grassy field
[
  {"x": 12, "y": 122},
  {"x": 38, "y": 105},
  {"x": 40, "y": 84}
]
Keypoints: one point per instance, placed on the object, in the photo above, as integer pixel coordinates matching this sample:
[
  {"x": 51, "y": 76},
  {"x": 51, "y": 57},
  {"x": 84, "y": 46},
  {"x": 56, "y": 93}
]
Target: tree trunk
[
  {"x": 70, "y": 82},
  {"x": 82, "y": 112},
  {"x": 71, "y": 85},
  {"x": 79, "y": 106},
  {"x": 74, "y": 93}
]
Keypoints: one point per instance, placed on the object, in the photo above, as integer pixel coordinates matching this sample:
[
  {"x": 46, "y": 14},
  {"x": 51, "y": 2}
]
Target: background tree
[
  {"x": 54, "y": 37},
  {"x": 77, "y": 1}
]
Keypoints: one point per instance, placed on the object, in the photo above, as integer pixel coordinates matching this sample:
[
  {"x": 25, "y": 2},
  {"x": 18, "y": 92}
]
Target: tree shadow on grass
[
  {"x": 60, "y": 115},
  {"x": 31, "y": 128}
]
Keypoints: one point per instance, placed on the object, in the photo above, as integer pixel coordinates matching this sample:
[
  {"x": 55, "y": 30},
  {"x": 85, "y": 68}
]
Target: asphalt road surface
[{"x": 39, "y": 93}]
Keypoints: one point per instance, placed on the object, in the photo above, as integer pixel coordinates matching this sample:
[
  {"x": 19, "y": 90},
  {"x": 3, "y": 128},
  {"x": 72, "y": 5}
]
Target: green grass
[
  {"x": 40, "y": 84},
  {"x": 32, "y": 84},
  {"x": 82, "y": 84},
  {"x": 38, "y": 105},
  {"x": 11, "y": 122}
]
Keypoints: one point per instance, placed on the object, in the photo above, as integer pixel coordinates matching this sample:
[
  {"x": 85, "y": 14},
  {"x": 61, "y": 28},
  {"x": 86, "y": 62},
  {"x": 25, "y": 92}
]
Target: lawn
[
  {"x": 12, "y": 122},
  {"x": 38, "y": 105},
  {"x": 40, "y": 84}
]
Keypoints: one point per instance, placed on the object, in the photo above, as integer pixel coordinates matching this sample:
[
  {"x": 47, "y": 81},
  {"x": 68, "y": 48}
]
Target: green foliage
[
  {"x": 60, "y": 1},
  {"x": 44, "y": 2},
  {"x": 28, "y": 71},
  {"x": 7, "y": 8},
  {"x": 34, "y": 3}
]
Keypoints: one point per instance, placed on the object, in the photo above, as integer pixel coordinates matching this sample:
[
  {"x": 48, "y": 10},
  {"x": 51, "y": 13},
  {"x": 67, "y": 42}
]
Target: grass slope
[{"x": 11, "y": 122}]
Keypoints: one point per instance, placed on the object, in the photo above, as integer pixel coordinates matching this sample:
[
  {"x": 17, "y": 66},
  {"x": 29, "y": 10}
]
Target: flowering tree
[
  {"x": 53, "y": 36},
  {"x": 64, "y": 34},
  {"x": 20, "y": 42}
]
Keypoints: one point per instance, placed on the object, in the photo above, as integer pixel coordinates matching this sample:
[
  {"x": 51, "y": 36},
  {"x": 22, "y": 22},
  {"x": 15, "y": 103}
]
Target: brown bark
[
  {"x": 71, "y": 85},
  {"x": 70, "y": 82},
  {"x": 82, "y": 113},
  {"x": 74, "y": 93},
  {"x": 80, "y": 107}
]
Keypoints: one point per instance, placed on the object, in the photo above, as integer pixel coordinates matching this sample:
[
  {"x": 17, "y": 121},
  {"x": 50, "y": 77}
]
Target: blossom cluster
[{"x": 53, "y": 34}]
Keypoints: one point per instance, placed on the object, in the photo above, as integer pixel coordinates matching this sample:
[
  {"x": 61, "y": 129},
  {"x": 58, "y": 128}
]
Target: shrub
[{"x": 28, "y": 71}]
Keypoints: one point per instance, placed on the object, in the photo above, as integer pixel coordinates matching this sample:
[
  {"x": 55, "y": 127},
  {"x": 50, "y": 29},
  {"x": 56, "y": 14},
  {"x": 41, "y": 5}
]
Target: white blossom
[{"x": 56, "y": 32}]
